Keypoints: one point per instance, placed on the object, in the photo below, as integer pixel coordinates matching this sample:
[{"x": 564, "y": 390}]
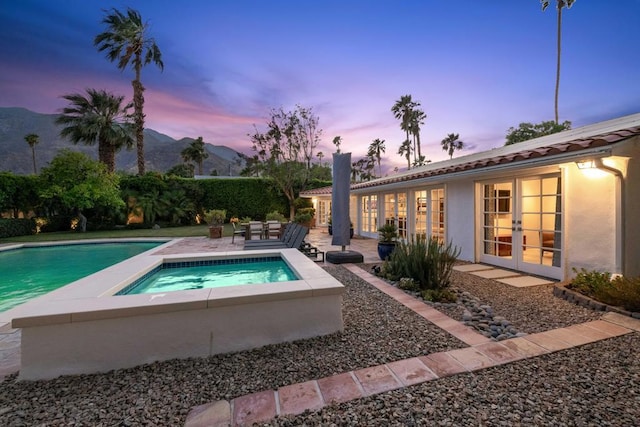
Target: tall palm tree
[
  {"x": 320, "y": 155},
  {"x": 415, "y": 121},
  {"x": 376, "y": 148},
  {"x": 98, "y": 117},
  {"x": 33, "y": 139},
  {"x": 403, "y": 110},
  {"x": 405, "y": 150},
  {"x": 560, "y": 4},
  {"x": 452, "y": 143},
  {"x": 126, "y": 42},
  {"x": 195, "y": 152}
]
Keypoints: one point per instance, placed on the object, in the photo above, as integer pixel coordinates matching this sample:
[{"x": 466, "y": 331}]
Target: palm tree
[
  {"x": 405, "y": 150},
  {"x": 452, "y": 143},
  {"x": 403, "y": 110},
  {"x": 196, "y": 153},
  {"x": 33, "y": 139},
  {"x": 560, "y": 4},
  {"x": 98, "y": 117},
  {"x": 375, "y": 151},
  {"x": 320, "y": 155},
  {"x": 415, "y": 121},
  {"x": 126, "y": 41}
]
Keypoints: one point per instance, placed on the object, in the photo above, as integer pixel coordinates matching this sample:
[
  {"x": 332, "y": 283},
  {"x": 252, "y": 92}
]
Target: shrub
[
  {"x": 428, "y": 262},
  {"x": 275, "y": 216},
  {"x": 622, "y": 291},
  {"x": 16, "y": 227},
  {"x": 439, "y": 295},
  {"x": 408, "y": 284},
  {"x": 590, "y": 282}
]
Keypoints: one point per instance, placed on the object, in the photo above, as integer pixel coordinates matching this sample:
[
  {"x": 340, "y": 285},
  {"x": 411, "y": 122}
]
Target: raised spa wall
[{"x": 79, "y": 334}]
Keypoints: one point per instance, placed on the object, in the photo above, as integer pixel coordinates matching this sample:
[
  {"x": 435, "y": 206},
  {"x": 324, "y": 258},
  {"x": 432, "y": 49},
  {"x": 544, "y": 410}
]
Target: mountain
[{"x": 161, "y": 152}]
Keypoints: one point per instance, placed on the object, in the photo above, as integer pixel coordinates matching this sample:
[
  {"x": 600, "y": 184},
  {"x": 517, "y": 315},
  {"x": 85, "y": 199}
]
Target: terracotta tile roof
[
  {"x": 573, "y": 145},
  {"x": 322, "y": 191}
]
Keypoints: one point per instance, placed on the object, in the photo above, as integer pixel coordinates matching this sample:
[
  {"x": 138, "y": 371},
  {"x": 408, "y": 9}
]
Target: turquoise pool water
[
  {"x": 30, "y": 272},
  {"x": 211, "y": 274}
]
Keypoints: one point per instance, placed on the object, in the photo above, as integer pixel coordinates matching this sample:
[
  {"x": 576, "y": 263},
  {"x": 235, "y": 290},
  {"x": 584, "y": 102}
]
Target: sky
[{"x": 476, "y": 67}]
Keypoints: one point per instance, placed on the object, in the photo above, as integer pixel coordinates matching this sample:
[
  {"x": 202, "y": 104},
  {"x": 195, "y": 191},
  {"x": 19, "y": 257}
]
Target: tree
[
  {"x": 560, "y": 4},
  {"x": 126, "y": 41},
  {"x": 33, "y": 139},
  {"x": 284, "y": 149},
  {"x": 403, "y": 111},
  {"x": 416, "y": 120},
  {"x": 376, "y": 148},
  {"x": 74, "y": 181},
  {"x": 405, "y": 150},
  {"x": 337, "y": 141},
  {"x": 320, "y": 155},
  {"x": 98, "y": 117},
  {"x": 195, "y": 152},
  {"x": 452, "y": 143},
  {"x": 526, "y": 131},
  {"x": 184, "y": 170}
]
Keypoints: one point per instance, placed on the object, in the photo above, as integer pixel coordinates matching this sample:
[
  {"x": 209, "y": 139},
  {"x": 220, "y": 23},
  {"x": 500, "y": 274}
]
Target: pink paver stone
[
  {"x": 471, "y": 358},
  {"x": 523, "y": 347},
  {"x": 543, "y": 339},
  {"x": 339, "y": 388},
  {"x": 498, "y": 352},
  {"x": 377, "y": 379},
  {"x": 254, "y": 408},
  {"x": 411, "y": 371},
  {"x": 592, "y": 333},
  {"x": 297, "y": 398},
  {"x": 214, "y": 414},
  {"x": 442, "y": 364},
  {"x": 468, "y": 335},
  {"x": 608, "y": 327},
  {"x": 569, "y": 336}
]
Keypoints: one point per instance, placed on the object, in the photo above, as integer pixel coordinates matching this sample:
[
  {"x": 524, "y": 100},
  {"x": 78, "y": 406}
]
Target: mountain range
[{"x": 161, "y": 151}]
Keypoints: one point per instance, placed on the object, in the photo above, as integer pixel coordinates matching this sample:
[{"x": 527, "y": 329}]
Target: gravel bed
[
  {"x": 377, "y": 330},
  {"x": 593, "y": 385}
]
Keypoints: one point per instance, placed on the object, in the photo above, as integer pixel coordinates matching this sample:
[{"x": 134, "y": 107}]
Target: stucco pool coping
[{"x": 91, "y": 298}]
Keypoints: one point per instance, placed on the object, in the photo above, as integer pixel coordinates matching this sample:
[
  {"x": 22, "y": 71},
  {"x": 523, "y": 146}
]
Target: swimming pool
[
  {"x": 208, "y": 274},
  {"x": 28, "y": 272}
]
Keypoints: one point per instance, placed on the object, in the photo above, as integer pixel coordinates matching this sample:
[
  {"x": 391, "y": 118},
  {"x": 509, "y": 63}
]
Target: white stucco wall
[{"x": 590, "y": 220}]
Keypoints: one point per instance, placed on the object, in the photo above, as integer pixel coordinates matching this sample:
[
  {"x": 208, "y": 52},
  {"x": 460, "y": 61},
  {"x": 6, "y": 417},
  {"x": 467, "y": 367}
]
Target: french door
[{"x": 522, "y": 224}]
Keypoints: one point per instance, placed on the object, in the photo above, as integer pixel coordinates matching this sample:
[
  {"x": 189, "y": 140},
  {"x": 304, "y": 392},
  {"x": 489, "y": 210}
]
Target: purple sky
[{"x": 477, "y": 67}]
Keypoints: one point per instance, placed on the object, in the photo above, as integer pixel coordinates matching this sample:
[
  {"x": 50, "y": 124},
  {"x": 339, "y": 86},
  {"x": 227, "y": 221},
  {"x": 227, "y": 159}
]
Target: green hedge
[{"x": 11, "y": 227}]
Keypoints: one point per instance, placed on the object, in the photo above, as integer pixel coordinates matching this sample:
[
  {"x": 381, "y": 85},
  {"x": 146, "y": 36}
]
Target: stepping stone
[
  {"x": 472, "y": 267},
  {"x": 411, "y": 371},
  {"x": 339, "y": 388},
  {"x": 254, "y": 408},
  {"x": 525, "y": 281},
  {"x": 297, "y": 398},
  {"x": 377, "y": 379},
  {"x": 210, "y": 415},
  {"x": 494, "y": 273},
  {"x": 621, "y": 320}
]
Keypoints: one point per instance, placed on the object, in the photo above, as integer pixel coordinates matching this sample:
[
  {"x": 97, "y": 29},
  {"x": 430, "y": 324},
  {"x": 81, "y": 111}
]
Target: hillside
[{"x": 161, "y": 151}]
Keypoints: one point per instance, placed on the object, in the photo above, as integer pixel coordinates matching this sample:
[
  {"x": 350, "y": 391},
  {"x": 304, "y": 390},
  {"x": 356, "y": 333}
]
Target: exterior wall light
[{"x": 586, "y": 164}]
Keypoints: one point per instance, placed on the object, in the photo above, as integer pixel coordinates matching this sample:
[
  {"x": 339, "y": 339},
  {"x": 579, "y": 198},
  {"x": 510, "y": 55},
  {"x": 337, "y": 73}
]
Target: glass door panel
[{"x": 497, "y": 202}]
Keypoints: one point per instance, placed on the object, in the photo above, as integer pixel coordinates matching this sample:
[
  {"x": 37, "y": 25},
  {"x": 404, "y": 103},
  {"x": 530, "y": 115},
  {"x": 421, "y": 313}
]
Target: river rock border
[{"x": 562, "y": 290}]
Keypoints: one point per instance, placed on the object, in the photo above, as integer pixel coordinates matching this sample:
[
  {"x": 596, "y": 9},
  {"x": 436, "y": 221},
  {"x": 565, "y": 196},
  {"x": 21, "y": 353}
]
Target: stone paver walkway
[{"x": 482, "y": 353}]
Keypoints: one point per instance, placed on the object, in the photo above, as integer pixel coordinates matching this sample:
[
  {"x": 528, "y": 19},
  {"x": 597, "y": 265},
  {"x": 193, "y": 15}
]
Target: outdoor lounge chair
[{"x": 295, "y": 239}]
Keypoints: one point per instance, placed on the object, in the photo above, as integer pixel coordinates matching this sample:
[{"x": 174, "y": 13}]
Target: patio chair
[
  {"x": 255, "y": 229},
  {"x": 236, "y": 232},
  {"x": 273, "y": 229}
]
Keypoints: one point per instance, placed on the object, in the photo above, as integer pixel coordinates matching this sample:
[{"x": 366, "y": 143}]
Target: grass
[{"x": 189, "y": 231}]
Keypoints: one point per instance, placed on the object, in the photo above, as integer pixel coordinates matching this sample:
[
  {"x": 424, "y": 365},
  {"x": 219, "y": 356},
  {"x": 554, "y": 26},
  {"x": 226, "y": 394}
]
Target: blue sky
[{"x": 477, "y": 67}]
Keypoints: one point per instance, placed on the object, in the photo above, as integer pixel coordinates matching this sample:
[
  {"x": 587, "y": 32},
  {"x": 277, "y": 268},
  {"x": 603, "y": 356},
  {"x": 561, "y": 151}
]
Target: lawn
[{"x": 189, "y": 231}]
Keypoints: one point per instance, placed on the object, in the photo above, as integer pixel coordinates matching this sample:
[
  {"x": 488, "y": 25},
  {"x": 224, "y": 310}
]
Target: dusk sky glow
[{"x": 477, "y": 67}]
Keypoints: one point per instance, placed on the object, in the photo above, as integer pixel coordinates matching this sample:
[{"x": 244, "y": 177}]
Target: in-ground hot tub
[{"x": 86, "y": 329}]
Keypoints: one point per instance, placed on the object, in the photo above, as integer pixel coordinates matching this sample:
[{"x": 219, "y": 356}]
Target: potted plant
[
  {"x": 387, "y": 239},
  {"x": 215, "y": 218}
]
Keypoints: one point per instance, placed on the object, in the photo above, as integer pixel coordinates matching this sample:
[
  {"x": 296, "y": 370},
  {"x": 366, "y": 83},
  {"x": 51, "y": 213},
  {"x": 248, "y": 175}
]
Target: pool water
[
  {"x": 215, "y": 274},
  {"x": 26, "y": 273}
]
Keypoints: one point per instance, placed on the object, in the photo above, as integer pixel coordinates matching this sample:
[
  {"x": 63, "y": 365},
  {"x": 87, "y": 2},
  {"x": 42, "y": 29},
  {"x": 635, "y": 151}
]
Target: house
[{"x": 544, "y": 206}]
